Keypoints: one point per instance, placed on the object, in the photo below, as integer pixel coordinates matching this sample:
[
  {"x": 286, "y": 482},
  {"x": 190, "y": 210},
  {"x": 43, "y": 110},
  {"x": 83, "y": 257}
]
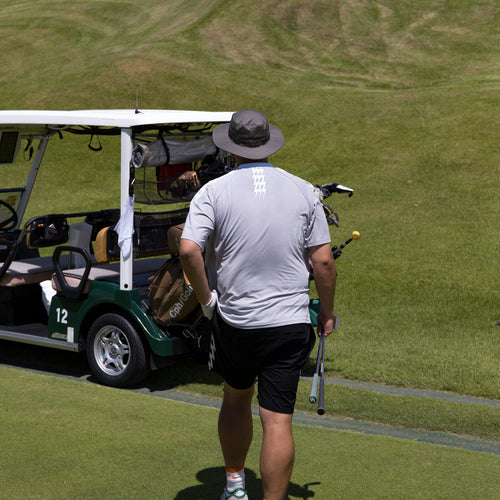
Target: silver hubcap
[{"x": 111, "y": 350}]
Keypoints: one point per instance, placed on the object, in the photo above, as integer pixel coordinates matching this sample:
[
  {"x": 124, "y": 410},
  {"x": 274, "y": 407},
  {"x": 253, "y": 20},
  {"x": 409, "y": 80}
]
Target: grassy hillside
[
  {"x": 208, "y": 53},
  {"x": 397, "y": 99}
]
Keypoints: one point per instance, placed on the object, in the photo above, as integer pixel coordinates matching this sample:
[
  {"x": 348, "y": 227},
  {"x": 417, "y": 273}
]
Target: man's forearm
[
  {"x": 194, "y": 269},
  {"x": 325, "y": 276},
  {"x": 325, "y": 280}
]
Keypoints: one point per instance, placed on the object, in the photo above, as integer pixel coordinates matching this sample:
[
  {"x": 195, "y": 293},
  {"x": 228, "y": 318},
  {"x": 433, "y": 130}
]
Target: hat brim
[{"x": 221, "y": 139}]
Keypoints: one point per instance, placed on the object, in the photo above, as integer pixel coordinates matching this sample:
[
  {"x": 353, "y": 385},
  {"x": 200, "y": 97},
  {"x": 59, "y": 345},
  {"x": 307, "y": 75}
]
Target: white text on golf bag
[{"x": 183, "y": 298}]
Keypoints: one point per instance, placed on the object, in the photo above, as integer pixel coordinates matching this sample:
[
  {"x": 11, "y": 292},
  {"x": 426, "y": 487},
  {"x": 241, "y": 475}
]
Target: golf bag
[{"x": 170, "y": 296}]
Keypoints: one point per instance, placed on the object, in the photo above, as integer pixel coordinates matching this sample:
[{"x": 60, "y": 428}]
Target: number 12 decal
[{"x": 62, "y": 316}]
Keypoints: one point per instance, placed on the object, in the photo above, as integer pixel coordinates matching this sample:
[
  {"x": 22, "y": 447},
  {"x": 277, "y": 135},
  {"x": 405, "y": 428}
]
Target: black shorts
[{"x": 274, "y": 356}]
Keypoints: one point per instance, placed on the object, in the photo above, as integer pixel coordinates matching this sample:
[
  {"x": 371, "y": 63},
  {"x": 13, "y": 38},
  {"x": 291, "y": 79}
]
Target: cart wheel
[{"x": 115, "y": 352}]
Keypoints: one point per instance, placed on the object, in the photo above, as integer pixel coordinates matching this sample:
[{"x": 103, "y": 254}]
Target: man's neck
[{"x": 242, "y": 161}]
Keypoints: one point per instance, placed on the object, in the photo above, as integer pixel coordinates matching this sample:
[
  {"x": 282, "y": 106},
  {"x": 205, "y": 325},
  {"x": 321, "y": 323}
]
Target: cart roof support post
[
  {"x": 126, "y": 263},
  {"x": 35, "y": 167}
]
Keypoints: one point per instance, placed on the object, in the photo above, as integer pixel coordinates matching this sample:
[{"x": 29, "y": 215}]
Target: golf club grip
[
  {"x": 314, "y": 389},
  {"x": 321, "y": 397}
]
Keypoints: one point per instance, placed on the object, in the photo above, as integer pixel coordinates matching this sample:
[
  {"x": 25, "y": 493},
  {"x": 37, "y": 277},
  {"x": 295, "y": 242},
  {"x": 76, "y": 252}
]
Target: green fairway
[
  {"x": 398, "y": 100},
  {"x": 63, "y": 439}
]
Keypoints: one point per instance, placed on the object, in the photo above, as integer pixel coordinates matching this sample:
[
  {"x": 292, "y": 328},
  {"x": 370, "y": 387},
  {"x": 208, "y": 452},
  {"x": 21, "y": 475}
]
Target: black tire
[{"x": 115, "y": 352}]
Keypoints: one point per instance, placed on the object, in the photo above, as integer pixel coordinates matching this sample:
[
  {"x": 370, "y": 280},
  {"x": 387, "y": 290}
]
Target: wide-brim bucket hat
[{"x": 249, "y": 135}]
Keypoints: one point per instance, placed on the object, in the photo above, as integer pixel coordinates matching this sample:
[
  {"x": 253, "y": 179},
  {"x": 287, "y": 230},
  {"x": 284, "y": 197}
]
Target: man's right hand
[{"x": 209, "y": 308}]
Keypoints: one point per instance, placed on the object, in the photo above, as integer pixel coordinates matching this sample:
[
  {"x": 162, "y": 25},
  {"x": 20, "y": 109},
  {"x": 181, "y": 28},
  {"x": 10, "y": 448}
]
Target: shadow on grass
[
  {"x": 212, "y": 482},
  {"x": 178, "y": 373},
  {"x": 52, "y": 361},
  {"x": 74, "y": 365}
]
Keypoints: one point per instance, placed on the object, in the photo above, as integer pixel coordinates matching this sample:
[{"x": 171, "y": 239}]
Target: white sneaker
[{"x": 236, "y": 494}]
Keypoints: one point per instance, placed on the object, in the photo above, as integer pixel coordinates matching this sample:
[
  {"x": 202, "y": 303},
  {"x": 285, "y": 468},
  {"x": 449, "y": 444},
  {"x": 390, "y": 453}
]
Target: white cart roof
[{"x": 120, "y": 118}]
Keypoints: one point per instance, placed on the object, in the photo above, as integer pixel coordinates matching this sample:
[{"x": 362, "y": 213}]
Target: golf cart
[
  {"x": 109, "y": 281},
  {"x": 83, "y": 281}
]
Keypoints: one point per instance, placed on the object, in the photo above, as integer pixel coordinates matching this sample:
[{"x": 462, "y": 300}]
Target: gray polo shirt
[{"x": 255, "y": 225}]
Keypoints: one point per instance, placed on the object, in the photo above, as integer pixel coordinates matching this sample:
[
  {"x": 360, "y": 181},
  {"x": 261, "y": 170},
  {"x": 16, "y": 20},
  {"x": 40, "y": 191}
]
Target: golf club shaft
[
  {"x": 337, "y": 251},
  {"x": 321, "y": 397},
  {"x": 314, "y": 389}
]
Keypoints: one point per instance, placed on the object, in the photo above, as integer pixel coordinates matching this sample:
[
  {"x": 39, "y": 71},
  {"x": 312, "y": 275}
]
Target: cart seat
[
  {"x": 25, "y": 272},
  {"x": 38, "y": 269},
  {"x": 107, "y": 272}
]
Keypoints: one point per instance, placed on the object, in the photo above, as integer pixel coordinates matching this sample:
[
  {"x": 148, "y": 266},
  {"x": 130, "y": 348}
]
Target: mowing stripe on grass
[
  {"x": 432, "y": 437},
  {"x": 344, "y": 424},
  {"x": 418, "y": 393}
]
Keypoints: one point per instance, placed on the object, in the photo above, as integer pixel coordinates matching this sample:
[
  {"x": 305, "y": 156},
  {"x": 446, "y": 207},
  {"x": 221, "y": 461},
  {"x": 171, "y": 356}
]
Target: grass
[
  {"x": 398, "y": 100},
  {"x": 363, "y": 405},
  {"x": 401, "y": 411},
  {"x": 416, "y": 295},
  {"x": 410, "y": 412},
  {"x": 85, "y": 441}
]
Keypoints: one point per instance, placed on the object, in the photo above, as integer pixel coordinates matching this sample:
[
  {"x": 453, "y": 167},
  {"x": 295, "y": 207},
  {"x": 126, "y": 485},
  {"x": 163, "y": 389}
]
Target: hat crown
[
  {"x": 248, "y": 135},
  {"x": 249, "y": 128}
]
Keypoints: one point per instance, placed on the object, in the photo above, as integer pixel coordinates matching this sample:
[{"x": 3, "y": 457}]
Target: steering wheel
[{"x": 10, "y": 221}]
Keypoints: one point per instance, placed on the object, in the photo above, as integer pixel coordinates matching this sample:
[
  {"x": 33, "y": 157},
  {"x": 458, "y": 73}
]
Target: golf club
[
  {"x": 321, "y": 397},
  {"x": 319, "y": 375},
  {"x": 314, "y": 389},
  {"x": 337, "y": 251}
]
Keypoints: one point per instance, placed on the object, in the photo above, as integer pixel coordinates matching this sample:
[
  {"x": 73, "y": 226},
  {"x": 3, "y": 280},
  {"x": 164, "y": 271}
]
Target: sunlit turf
[
  {"x": 398, "y": 100},
  {"x": 64, "y": 439}
]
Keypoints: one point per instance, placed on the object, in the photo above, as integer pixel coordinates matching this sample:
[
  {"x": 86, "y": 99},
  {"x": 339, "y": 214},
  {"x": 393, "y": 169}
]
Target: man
[{"x": 261, "y": 228}]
